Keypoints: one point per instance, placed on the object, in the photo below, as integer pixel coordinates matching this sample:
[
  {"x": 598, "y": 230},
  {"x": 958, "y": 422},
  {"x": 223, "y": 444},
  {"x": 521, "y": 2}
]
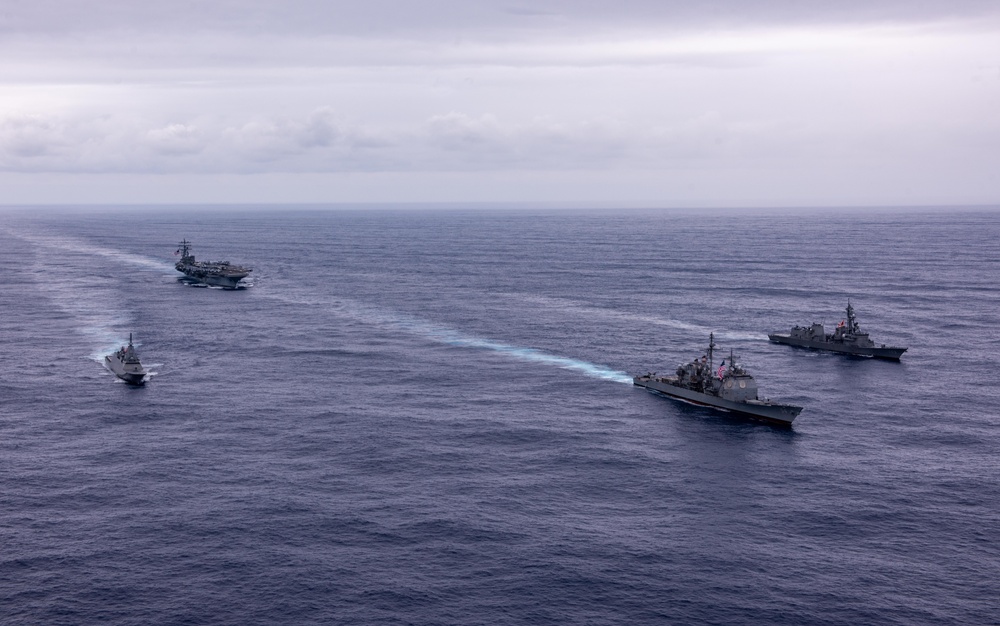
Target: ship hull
[
  {"x": 778, "y": 414},
  {"x": 122, "y": 371},
  {"x": 887, "y": 353},
  {"x": 226, "y": 282}
]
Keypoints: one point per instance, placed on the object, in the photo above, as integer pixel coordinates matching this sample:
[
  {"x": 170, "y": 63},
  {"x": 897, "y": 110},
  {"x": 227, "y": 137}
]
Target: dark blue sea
[{"x": 426, "y": 416}]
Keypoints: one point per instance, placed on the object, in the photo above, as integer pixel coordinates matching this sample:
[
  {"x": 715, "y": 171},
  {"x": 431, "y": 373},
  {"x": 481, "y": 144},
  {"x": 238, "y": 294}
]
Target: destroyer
[
  {"x": 219, "y": 273},
  {"x": 846, "y": 338},
  {"x": 125, "y": 364},
  {"x": 729, "y": 388}
]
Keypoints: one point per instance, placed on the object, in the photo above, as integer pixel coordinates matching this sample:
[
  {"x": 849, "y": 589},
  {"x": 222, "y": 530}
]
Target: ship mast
[
  {"x": 711, "y": 349},
  {"x": 852, "y": 322}
]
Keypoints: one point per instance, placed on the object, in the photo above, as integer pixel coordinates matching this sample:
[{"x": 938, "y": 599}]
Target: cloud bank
[{"x": 668, "y": 101}]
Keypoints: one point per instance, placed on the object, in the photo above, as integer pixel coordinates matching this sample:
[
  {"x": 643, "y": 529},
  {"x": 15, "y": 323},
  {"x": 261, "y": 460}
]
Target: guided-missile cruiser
[{"x": 729, "y": 388}]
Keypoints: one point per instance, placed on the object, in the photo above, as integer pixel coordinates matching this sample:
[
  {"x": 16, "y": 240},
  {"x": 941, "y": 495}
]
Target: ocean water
[{"x": 426, "y": 417}]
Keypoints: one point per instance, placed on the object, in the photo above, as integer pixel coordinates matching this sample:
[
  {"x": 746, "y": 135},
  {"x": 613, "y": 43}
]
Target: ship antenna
[
  {"x": 130, "y": 339},
  {"x": 852, "y": 322}
]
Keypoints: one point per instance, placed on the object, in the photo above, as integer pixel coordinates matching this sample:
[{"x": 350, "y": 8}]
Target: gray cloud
[
  {"x": 318, "y": 142},
  {"x": 175, "y": 139},
  {"x": 29, "y": 137},
  {"x": 732, "y": 90},
  {"x": 459, "y": 18}
]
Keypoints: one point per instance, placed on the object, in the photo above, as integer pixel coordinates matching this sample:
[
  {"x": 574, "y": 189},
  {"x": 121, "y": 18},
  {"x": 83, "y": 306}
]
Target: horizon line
[{"x": 522, "y": 204}]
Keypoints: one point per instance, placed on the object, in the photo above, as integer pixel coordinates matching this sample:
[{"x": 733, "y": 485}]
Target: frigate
[
  {"x": 729, "y": 388},
  {"x": 219, "y": 273},
  {"x": 125, "y": 364},
  {"x": 847, "y": 338}
]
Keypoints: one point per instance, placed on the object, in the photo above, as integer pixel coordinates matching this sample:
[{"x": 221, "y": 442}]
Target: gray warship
[
  {"x": 125, "y": 364},
  {"x": 729, "y": 388},
  {"x": 847, "y": 338},
  {"x": 219, "y": 273}
]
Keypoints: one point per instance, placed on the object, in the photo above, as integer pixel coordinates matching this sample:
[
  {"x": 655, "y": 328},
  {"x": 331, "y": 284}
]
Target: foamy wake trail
[
  {"x": 449, "y": 336},
  {"x": 105, "y": 337},
  {"x": 70, "y": 244},
  {"x": 104, "y": 326},
  {"x": 63, "y": 275},
  {"x": 454, "y": 338},
  {"x": 564, "y": 304}
]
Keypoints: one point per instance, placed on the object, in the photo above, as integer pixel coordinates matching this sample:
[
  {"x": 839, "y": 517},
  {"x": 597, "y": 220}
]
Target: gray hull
[
  {"x": 226, "y": 282},
  {"x": 876, "y": 352},
  {"x": 131, "y": 373},
  {"x": 780, "y": 414}
]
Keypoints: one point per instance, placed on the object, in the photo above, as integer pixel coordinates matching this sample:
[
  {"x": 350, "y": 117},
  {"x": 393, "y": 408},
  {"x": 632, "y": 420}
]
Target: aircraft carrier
[{"x": 218, "y": 273}]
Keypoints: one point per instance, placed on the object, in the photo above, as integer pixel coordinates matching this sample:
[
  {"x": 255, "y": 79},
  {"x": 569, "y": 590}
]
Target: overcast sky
[{"x": 631, "y": 102}]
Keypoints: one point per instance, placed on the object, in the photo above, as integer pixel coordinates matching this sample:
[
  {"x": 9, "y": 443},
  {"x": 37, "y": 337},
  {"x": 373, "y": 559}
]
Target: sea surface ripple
[{"x": 425, "y": 417}]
